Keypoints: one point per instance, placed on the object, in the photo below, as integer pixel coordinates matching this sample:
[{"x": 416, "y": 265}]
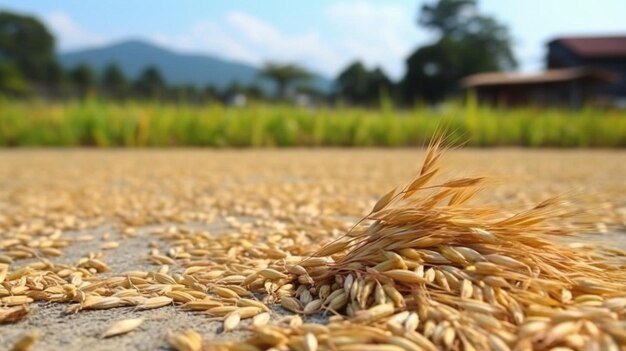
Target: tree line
[{"x": 467, "y": 42}]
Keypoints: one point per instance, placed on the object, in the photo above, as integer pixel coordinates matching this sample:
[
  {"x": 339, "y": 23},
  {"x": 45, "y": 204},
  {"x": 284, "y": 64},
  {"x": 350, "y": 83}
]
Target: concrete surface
[{"x": 82, "y": 331}]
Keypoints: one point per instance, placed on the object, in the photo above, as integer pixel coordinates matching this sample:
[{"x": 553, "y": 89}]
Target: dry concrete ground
[
  {"x": 92, "y": 192},
  {"x": 61, "y": 331}
]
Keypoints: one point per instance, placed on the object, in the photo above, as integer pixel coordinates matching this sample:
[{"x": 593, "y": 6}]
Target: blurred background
[{"x": 325, "y": 73}]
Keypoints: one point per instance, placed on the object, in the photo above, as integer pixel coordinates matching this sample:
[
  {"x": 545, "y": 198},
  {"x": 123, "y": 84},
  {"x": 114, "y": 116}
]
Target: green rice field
[{"x": 149, "y": 124}]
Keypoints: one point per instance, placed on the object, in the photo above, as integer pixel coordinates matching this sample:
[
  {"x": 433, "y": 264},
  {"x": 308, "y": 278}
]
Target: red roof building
[
  {"x": 570, "y": 87},
  {"x": 579, "y": 70},
  {"x": 593, "y": 47},
  {"x": 607, "y": 53}
]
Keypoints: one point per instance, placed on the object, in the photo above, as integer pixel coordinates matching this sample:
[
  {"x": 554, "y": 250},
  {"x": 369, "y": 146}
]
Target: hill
[{"x": 133, "y": 56}]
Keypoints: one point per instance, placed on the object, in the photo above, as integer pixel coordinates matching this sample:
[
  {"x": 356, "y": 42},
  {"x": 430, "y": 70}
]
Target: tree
[
  {"x": 234, "y": 94},
  {"x": 57, "y": 81},
  {"x": 379, "y": 84},
  {"x": 12, "y": 82},
  {"x": 26, "y": 43},
  {"x": 284, "y": 76},
  {"x": 83, "y": 78},
  {"x": 150, "y": 83},
  {"x": 352, "y": 83},
  {"x": 447, "y": 16},
  {"x": 254, "y": 92},
  {"x": 311, "y": 91},
  {"x": 113, "y": 82},
  {"x": 468, "y": 43},
  {"x": 210, "y": 93},
  {"x": 185, "y": 94},
  {"x": 358, "y": 85}
]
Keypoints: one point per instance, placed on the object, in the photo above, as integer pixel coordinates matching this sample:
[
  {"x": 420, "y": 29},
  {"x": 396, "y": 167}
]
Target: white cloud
[
  {"x": 246, "y": 38},
  {"x": 207, "y": 36},
  {"x": 268, "y": 43},
  {"x": 212, "y": 36},
  {"x": 69, "y": 34},
  {"x": 377, "y": 33},
  {"x": 380, "y": 34}
]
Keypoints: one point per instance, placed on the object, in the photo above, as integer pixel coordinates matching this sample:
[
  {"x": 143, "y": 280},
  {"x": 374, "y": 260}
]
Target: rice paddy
[
  {"x": 315, "y": 251},
  {"x": 141, "y": 124}
]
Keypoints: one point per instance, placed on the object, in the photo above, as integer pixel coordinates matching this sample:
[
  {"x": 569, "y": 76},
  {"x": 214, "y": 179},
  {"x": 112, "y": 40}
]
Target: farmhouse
[
  {"x": 570, "y": 87},
  {"x": 579, "y": 70},
  {"x": 607, "y": 53}
]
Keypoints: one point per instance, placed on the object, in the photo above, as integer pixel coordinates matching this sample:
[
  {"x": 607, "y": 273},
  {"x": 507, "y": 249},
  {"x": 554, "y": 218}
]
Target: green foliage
[
  {"x": 150, "y": 83},
  {"x": 11, "y": 80},
  {"x": 468, "y": 43},
  {"x": 58, "y": 83},
  {"x": 113, "y": 83},
  {"x": 284, "y": 75},
  {"x": 83, "y": 78},
  {"x": 26, "y": 43},
  {"x": 357, "y": 85},
  {"x": 138, "y": 124},
  {"x": 446, "y": 16}
]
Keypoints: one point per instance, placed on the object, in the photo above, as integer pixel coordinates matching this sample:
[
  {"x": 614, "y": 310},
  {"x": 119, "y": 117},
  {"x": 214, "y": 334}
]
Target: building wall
[
  {"x": 571, "y": 94},
  {"x": 560, "y": 56}
]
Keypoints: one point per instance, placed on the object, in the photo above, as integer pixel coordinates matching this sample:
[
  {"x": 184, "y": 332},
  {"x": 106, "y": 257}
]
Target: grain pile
[
  {"x": 424, "y": 270},
  {"x": 431, "y": 273}
]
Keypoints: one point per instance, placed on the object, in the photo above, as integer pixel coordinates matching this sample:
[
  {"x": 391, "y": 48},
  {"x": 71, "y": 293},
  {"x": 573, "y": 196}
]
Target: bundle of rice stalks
[{"x": 426, "y": 271}]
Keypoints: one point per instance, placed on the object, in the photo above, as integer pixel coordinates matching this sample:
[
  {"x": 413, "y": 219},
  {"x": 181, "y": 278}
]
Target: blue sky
[{"x": 321, "y": 34}]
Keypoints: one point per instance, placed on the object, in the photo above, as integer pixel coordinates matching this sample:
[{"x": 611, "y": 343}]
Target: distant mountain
[{"x": 134, "y": 56}]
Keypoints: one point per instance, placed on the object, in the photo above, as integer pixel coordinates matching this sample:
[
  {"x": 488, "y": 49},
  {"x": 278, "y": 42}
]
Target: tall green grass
[{"x": 136, "y": 124}]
